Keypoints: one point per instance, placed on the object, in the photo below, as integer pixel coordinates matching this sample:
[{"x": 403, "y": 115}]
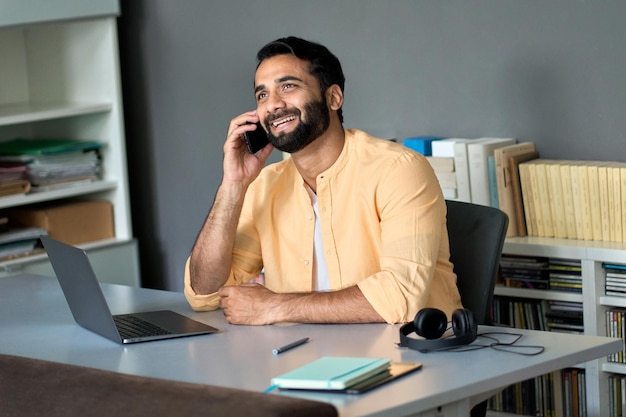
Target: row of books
[
  {"x": 616, "y": 327},
  {"x": 541, "y": 273},
  {"x": 574, "y": 199},
  {"x": 29, "y": 165},
  {"x": 617, "y": 396},
  {"x": 481, "y": 171},
  {"x": 547, "y": 315},
  {"x": 559, "y": 393}
]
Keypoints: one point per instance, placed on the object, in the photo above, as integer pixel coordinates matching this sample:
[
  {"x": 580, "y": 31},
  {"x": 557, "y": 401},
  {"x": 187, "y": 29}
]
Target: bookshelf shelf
[
  {"x": 592, "y": 255},
  {"x": 538, "y": 294},
  {"x": 61, "y": 80},
  {"x": 34, "y": 112},
  {"x": 61, "y": 193},
  {"x": 612, "y": 301}
]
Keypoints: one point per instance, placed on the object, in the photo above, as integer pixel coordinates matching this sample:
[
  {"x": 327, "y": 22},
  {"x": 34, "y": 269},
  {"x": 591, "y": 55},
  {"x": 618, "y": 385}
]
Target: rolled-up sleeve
[
  {"x": 199, "y": 302},
  {"x": 415, "y": 271}
]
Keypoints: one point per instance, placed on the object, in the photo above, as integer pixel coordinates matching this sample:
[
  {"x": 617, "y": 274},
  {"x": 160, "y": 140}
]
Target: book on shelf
[
  {"x": 603, "y": 197},
  {"x": 519, "y": 210},
  {"x": 14, "y": 187},
  {"x": 446, "y": 179},
  {"x": 493, "y": 184},
  {"x": 461, "y": 167},
  {"x": 622, "y": 205},
  {"x": 441, "y": 164},
  {"x": 579, "y": 198},
  {"x": 614, "y": 194},
  {"x": 536, "y": 184},
  {"x": 421, "y": 144},
  {"x": 556, "y": 204},
  {"x": 615, "y": 322},
  {"x": 505, "y": 179},
  {"x": 527, "y": 199},
  {"x": 593, "y": 176},
  {"x": 584, "y": 194},
  {"x": 444, "y": 148},
  {"x": 478, "y": 153},
  {"x": 545, "y": 198}
]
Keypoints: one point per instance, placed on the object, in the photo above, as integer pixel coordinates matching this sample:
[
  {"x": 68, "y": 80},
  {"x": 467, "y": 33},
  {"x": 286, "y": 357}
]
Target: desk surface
[{"x": 35, "y": 321}]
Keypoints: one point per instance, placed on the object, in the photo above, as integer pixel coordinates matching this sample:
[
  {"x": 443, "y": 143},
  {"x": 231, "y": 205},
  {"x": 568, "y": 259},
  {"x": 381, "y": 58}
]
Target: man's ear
[{"x": 334, "y": 97}]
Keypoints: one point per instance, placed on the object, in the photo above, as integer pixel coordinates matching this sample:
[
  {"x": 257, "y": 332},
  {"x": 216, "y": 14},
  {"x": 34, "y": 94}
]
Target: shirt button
[
  {"x": 309, "y": 218},
  {"x": 306, "y": 263}
]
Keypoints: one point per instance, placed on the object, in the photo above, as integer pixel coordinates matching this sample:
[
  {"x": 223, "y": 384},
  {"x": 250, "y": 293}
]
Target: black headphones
[{"x": 432, "y": 323}]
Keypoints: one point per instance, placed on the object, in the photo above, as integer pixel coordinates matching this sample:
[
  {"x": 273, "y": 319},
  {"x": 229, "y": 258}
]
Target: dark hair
[{"x": 323, "y": 65}]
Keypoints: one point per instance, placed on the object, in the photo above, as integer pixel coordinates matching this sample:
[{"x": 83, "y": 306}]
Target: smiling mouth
[{"x": 279, "y": 122}]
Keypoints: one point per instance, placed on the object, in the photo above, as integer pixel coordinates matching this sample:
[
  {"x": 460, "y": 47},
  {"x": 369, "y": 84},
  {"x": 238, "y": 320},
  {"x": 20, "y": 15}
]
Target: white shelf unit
[
  {"x": 61, "y": 79},
  {"x": 595, "y": 304}
]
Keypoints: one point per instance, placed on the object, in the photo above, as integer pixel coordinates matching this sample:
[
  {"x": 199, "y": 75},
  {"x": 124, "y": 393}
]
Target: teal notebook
[{"x": 331, "y": 373}]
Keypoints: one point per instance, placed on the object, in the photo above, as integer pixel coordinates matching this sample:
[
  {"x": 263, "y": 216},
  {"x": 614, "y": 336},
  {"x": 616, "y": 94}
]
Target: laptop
[{"x": 90, "y": 309}]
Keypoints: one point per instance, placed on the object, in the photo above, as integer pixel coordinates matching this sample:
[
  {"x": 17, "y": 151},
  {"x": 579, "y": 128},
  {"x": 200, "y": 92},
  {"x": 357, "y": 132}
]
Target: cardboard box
[{"x": 73, "y": 223}]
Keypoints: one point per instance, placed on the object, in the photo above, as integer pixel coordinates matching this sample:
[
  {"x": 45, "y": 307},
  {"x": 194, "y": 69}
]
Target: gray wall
[{"x": 549, "y": 71}]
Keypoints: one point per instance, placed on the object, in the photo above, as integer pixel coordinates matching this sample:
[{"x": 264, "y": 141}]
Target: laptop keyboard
[{"x": 131, "y": 327}]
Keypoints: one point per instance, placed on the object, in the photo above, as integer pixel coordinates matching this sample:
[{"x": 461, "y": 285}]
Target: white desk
[{"x": 36, "y": 322}]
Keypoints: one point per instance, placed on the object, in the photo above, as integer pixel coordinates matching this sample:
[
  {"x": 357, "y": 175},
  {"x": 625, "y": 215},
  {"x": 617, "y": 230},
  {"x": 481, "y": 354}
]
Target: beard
[{"x": 317, "y": 122}]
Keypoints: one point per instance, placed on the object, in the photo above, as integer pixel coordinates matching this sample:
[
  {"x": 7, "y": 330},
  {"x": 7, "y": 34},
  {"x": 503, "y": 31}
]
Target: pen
[{"x": 290, "y": 346}]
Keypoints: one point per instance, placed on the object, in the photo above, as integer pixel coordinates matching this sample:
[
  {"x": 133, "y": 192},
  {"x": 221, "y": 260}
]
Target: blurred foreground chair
[{"x": 35, "y": 388}]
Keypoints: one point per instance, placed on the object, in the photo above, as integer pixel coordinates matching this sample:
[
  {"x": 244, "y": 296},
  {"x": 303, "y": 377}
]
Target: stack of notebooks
[
  {"x": 350, "y": 375},
  {"x": 18, "y": 242},
  {"x": 44, "y": 164}
]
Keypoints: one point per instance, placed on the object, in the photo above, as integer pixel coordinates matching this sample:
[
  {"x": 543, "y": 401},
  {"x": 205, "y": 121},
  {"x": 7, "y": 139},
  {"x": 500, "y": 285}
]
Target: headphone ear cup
[
  {"x": 430, "y": 323},
  {"x": 463, "y": 322}
]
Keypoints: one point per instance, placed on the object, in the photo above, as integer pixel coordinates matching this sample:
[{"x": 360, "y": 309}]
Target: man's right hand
[{"x": 240, "y": 166}]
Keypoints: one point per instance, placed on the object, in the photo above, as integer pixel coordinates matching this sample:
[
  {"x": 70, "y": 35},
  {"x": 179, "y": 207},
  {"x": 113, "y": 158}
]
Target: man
[{"x": 350, "y": 229}]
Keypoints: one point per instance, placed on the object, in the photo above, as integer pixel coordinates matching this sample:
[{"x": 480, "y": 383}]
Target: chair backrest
[{"x": 476, "y": 235}]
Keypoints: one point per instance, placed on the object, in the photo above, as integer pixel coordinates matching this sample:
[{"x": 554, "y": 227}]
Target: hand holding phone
[{"x": 256, "y": 139}]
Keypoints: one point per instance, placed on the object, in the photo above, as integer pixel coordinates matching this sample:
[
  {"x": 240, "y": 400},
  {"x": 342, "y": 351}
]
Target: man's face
[{"x": 289, "y": 103}]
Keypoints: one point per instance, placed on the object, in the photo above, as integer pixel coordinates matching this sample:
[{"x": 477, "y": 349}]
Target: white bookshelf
[
  {"x": 595, "y": 304},
  {"x": 61, "y": 79}
]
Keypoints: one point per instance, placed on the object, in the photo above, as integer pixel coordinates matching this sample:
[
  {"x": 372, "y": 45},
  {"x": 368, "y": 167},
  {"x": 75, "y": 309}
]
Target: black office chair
[{"x": 476, "y": 235}]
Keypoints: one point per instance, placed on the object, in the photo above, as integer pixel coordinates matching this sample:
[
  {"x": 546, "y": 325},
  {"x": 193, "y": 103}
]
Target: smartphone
[{"x": 256, "y": 139}]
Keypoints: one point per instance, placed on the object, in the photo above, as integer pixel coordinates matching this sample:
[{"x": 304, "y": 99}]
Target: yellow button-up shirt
[{"x": 383, "y": 220}]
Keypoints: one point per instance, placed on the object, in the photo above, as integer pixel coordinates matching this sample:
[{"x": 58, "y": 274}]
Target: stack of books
[
  {"x": 525, "y": 272},
  {"x": 52, "y": 163},
  {"x": 614, "y": 279},
  {"x": 565, "y": 316},
  {"x": 442, "y": 161},
  {"x": 574, "y": 199},
  {"x": 352, "y": 375},
  {"x": 13, "y": 179},
  {"x": 566, "y": 275},
  {"x": 18, "y": 242}
]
